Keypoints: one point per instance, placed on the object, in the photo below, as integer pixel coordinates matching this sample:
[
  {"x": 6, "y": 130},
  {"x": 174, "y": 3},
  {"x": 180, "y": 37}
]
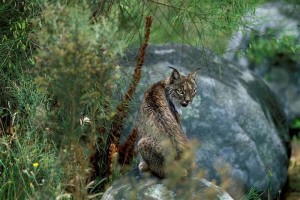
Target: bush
[{"x": 270, "y": 47}]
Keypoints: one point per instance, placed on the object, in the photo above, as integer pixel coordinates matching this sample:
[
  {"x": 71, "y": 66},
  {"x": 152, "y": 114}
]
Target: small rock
[{"x": 136, "y": 186}]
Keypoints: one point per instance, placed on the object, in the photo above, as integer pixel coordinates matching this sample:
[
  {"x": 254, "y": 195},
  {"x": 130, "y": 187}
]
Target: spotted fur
[{"x": 160, "y": 136}]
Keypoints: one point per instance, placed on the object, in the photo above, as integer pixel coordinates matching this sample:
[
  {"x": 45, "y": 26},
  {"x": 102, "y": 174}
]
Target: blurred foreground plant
[{"x": 76, "y": 62}]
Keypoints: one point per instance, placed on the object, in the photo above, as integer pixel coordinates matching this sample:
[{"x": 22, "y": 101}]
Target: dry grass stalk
[
  {"x": 112, "y": 157},
  {"x": 122, "y": 108},
  {"x": 126, "y": 150},
  {"x": 117, "y": 123}
]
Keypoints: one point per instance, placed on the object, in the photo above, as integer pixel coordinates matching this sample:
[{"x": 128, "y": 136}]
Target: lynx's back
[{"x": 158, "y": 121}]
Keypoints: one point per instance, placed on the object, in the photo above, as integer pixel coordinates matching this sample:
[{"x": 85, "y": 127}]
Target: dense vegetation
[{"x": 58, "y": 66}]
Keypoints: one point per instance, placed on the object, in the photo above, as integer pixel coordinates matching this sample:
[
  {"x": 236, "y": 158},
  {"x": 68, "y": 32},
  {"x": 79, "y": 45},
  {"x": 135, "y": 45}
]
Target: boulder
[
  {"x": 241, "y": 127},
  {"x": 275, "y": 23},
  {"x": 134, "y": 185}
]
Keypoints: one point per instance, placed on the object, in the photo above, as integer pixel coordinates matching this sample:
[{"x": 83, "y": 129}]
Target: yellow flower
[
  {"x": 35, "y": 164},
  {"x": 31, "y": 185}
]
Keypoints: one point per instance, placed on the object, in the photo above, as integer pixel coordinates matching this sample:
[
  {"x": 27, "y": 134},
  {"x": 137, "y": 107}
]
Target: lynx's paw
[{"x": 143, "y": 166}]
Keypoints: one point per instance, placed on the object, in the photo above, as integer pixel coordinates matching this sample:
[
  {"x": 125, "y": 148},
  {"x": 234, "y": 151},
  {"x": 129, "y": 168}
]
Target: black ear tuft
[
  {"x": 175, "y": 75},
  {"x": 193, "y": 74}
]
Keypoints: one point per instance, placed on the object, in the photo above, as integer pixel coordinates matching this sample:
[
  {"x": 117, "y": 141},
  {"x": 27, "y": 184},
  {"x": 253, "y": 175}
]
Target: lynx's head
[{"x": 181, "y": 89}]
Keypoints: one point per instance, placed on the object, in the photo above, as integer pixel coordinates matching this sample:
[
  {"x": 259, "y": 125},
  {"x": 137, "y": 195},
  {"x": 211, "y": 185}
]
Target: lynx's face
[{"x": 181, "y": 89}]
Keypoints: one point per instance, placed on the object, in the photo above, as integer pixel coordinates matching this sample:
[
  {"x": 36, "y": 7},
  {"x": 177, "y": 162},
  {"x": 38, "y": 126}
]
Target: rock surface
[
  {"x": 135, "y": 186},
  {"x": 273, "y": 21},
  {"x": 235, "y": 117}
]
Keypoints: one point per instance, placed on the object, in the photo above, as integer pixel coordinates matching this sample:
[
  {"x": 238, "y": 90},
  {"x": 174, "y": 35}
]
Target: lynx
[{"x": 160, "y": 136}]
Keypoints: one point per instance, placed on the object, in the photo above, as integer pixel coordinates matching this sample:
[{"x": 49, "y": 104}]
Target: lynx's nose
[{"x": 185, "y": 103}]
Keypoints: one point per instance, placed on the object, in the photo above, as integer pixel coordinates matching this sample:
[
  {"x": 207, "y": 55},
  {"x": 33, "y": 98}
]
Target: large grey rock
[
  {"x": 235, "y": 117},
  {"x": 272, "y": 21},
  {"x": 136, "y": 186}
]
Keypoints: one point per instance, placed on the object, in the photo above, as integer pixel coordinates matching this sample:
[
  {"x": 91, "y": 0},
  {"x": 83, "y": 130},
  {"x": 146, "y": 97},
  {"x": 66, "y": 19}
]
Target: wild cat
[{"x": 160, "y": 136}]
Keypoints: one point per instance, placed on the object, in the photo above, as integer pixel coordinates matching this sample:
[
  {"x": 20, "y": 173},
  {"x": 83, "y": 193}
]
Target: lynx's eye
[
  {"x": 180, "y": 92},
  {"x": 194, "y": 91}
]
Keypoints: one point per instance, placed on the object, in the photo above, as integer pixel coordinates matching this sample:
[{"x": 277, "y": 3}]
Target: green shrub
[
  {"x": 296, "y": 123},
  {"x": 199, "y": 23},
  {"x": 269, "y": 47},
  {"x": 76, "y": 59}
]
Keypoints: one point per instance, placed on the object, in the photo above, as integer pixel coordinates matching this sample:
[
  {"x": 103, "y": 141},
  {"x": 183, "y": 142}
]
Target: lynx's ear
[
  {"x": 175, "y": 75},
  {"x": 193, "y": 74}
]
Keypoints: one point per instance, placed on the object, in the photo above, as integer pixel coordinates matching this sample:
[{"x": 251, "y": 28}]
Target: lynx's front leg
[{"x": 151, "y": 156}]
